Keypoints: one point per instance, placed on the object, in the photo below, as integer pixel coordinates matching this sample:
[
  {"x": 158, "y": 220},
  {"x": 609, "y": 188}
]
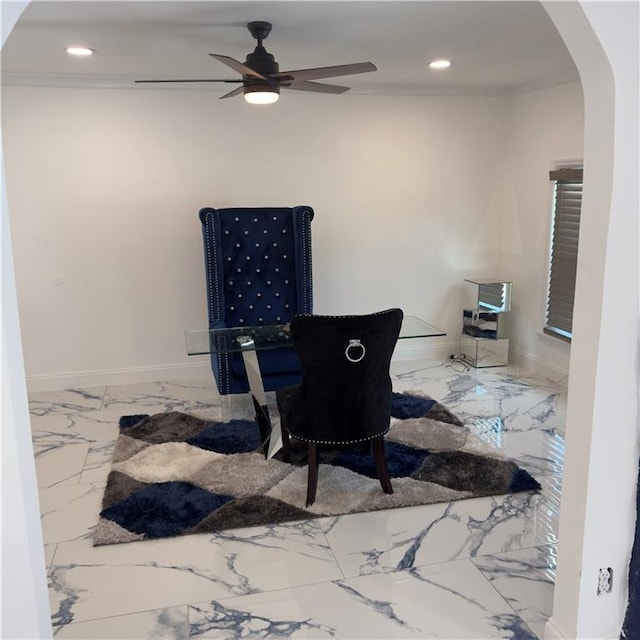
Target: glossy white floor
[{"x": 476, "y": 569}]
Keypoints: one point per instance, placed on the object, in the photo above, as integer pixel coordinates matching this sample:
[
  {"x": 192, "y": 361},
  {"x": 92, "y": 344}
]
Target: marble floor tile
[
  {"x": 65, "y": 402},
  {"x": 49, "y": 553},
  {"x": 527, "y": 411},
  {"x": 452, "y": 383},
  {"x": 519, "y": 404},
  {"x": 467, "y": 569},
  {"x": 93, "y": 582},
  {"x": 435, "y": 387},
  {"x": 79, "y": 428},
  {"x": 539, "y": 452},
  {"x": 226, "y": 408},
  {"x": 171, "y": 396},
  {"x": 192, "y": 389},
  {"x": 214, "y": 413},
  {"x": 525, "y": 580},
  {"x": 161, "y": 624},
  {"x": 552, "y": 490},
  {"x": 231, "y": 407},
  {"x": 384, "y": 541},
  {"x": 451, "y": 601},
  {"x": 56, "y": 465},
  {"x": 427, "y": 371},
  {"x": 98, "y": 462},
  {"x": 69, "y": 512}
]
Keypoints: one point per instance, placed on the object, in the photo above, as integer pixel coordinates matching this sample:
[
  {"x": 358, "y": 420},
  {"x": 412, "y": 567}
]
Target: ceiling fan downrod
[{"x": 261, "y": 60}]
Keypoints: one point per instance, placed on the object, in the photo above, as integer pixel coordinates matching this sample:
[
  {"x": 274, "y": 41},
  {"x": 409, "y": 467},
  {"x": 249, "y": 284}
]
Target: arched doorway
[{"x": 603, "y": 369}]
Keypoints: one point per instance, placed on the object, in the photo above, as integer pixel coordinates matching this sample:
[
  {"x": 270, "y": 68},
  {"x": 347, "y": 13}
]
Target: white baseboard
[
  {"x": 538, "y": 366},
  {"x": 551, "y": 632},
  {"x": 110, "y": 377},
  {"x": 418, "y": 349},
  {"x": 164, "y": 373}
]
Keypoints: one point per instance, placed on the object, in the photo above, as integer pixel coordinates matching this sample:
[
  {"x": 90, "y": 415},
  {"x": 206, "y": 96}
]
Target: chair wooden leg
[
  {"x": 312, "y": 479},
  {"x": 381, "y": 464}
]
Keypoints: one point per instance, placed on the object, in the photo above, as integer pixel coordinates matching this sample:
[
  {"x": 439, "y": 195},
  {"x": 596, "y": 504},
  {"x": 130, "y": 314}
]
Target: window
[{"x": 565, "y": 230}]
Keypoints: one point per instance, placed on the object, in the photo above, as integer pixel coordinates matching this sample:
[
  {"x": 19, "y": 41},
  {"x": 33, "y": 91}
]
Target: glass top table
[
  {"x": 229, "y": 339},
  {"x": 250, "y": 339}
]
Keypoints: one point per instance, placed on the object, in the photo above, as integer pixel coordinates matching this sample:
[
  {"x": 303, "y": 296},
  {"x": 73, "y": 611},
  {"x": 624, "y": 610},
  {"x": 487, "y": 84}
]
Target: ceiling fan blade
[
  {"x": 235, "y": 92},
  {"x": 238, "y": 66},
  {"x": 181, "y": 80},
  {"x": 325, "y": 72},
  {"x": 319, "y": 87}
]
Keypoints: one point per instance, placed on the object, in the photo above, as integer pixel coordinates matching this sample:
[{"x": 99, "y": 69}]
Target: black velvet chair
[
  {"x": 345, "y": 394},
  {"x": 258, "y": 272}
]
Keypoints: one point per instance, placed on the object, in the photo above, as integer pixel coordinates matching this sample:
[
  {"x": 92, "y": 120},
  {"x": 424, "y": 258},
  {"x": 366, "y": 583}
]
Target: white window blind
[{"x": 565, "y": 233}]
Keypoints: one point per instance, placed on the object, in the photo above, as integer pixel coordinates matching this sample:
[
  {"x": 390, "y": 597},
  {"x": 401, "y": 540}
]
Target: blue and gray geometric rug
[{"x": 174, "y": 474}]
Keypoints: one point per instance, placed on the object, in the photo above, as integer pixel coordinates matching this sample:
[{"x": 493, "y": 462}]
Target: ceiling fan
[{"x": 262, "y": 80}]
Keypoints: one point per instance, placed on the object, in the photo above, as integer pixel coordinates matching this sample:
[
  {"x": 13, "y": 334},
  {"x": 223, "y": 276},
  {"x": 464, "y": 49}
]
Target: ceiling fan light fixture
[
  {"x": 261, "y": 94},
  {"x": 440, "y": 64},
  {"x": 80, "y": 51}
]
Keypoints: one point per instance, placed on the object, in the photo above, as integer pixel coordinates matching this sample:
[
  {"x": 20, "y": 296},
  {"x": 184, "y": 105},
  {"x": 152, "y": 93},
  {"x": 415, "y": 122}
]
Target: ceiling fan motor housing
[{"x": 260, "y": 60}]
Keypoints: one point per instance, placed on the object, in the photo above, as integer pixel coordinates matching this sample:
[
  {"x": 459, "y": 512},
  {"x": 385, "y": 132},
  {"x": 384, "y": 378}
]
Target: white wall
[
  {"x": 598, "y": 510},
  {"x": 25, "y": 602},
  {"x": 104, "y": 188},
  {"x": 545, "y": 126}
]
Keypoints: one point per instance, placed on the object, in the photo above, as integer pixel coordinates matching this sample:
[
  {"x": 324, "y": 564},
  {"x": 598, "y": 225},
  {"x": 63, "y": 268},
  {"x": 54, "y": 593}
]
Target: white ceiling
[{"x": 496, "y": 47}]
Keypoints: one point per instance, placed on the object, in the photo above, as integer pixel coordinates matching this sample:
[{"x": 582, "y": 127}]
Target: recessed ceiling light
[
  {"x": 440, "y": 64},
  {"x": 79, "y": 51}
]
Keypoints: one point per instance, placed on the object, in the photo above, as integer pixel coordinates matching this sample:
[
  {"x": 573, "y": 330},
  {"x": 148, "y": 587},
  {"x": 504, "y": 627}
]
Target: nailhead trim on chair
[
  {"x": 292, "y": 295},
  {"x": 376, "y": 313},
  {"x": 306, "y": 254},
  {"x": 211, "y": 256},
  {"x": 338, "y": 441}
]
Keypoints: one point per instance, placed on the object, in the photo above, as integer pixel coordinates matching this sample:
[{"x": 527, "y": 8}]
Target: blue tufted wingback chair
[{"x": 258, "y": 272}]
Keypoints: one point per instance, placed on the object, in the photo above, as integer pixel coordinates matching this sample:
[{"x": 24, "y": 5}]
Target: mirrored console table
[{"x": 485, "y": 318}]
